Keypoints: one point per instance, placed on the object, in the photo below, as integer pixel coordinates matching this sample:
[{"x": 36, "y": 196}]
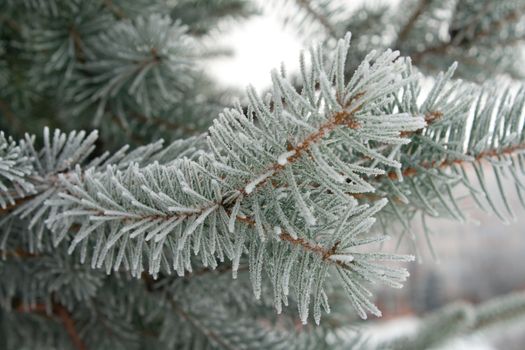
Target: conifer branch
[
  {"x": 409, "y": 25},
  {"x": 319, "y": 17},
  {"x": 490, "y": 153},
  {"x": 460, "y": 319},
  {"x": 9, "y": 115},
  {"x": 287, "y": 183},
  {"x": 301, "y": 242},
  {"x": 18, "y": 202},
  {"x": 208, "y": 333},
  {"x": 117, "y": 11},
  {"x": 343, "y": 118},
  {"x": 11, "y": 23},
  {"x": 164, "y": 123},
  {"x": 291, "y": 188},
  {"x": 194, "y": 198},
  {"x": 63, "y": 314},
  {"x": 444, "y": 47}
]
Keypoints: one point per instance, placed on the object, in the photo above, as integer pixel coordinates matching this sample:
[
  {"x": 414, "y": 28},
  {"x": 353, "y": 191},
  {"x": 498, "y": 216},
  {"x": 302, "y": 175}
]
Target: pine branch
[
  {"x": 146, "y": 73},
  {"x": 117, "y": 11},
  {"x": 409, "y": 25},
  {"x": 210, "y": 334},
  {"x": 491, "y": 153},
  {"x": 443, "y": 48},
  {"x": 19, "y": 253},
  {"x": 63, "y": 314},
  {"x": 12, "y": 119},
  {"x": 171, "y": 210},
  {"x": 281, "y": 180},
  {"x": 460, "y": 319},
  {"x": 434, "y": 164},
  {"x": 17, "y": 203},
  {"x": 319, "y": 17},
  {"x": 63, "y": 156},
  {"x": 344, "y": 118}
]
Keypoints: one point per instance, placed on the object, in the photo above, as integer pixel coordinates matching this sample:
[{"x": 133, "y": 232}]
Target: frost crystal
[
  {"x": 283, "y": 158},
  {"x": 342, "y": 258},
  {"x": 251, "y": 186}
]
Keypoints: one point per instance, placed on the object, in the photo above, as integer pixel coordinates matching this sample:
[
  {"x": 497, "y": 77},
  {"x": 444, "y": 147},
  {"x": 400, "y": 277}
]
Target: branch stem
[{"x": 61, "y": 312}]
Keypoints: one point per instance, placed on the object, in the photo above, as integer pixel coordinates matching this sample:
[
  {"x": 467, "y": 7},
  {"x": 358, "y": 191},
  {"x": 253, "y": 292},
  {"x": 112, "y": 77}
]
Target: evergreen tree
[{"x": 240, "y": 226}]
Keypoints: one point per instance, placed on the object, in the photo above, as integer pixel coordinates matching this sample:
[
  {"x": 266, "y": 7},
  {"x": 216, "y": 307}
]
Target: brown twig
[
  {"x": 167, "y": 124},
  {"x": 307, "y": 6},
  {"x": 307, "y": 245},
  {"x": 9, "y": 208},
  {"x": 412, "y": 171},
  {"x": 409, "y": 25},
  {"x": 10, "y": 23},
  {"x": 312, "y": 247},
  {"x": 208, "y": 333},
  {"x": 19, "y": 253},
  {"x": 11, "y": 118},
  {"x": 77, "y": 42},
  {"x": 445, "y": 46},
  {"x": 117, "y": 11},
  {"x": 69, "y": 324},
  {"x": 61, "y": 312}
]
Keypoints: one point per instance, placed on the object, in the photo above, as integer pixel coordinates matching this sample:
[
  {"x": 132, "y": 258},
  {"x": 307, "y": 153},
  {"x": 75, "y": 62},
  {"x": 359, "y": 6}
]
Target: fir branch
[
  {"x": 117, "y": 11},
  {"x": 460, "y": 319},
  {"x": 490, "y": 153},
  {"x": 208, "y": 333},
  {"x": 63, "y": 314},
  {"x": 318, "y": 16},
  {"x": 19, "y": 253},
  {"x": 156, "y": 60},
  {"x": 301, "y": 242},
  {"x": 12, "y": 119},
  {"x": 164, "y": 123},
  {"x": 443, "y": 48},
  {"x": 185, "y": 204},
  {"x": 344, "y": 118},
  {"x": 409, "y": 25},
  {"x": 80, "y": 54},
  {"x": 17, "y": 203}
]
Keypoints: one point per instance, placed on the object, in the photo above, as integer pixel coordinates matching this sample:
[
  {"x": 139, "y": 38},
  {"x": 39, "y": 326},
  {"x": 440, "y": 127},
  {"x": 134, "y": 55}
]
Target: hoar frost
[
  {"x": 283, "y": 158},
  {"x": 251, "y": 186}
]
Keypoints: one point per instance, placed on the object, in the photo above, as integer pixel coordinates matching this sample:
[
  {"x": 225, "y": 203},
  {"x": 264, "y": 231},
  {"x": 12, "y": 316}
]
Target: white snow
[
  {"x": 251, "y": 186},
  {"x": 308, "y": 216},
  {"x": 347, "y": 258},
  {"x": 283, "y": 158}
]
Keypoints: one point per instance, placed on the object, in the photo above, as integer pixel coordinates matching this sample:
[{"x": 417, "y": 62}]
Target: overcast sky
[{"x": 260, "y": 44}]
